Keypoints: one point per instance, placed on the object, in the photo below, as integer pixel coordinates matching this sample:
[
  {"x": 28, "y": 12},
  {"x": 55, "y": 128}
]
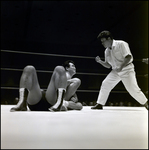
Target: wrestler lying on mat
[{"x": 59, "y": 96}]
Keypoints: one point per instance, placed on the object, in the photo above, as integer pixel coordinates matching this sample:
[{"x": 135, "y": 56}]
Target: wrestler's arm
[
  {"x": 73, "y": 103},
  {"x": 72, "y": 81},
  {"x": 74, "y": 106}
]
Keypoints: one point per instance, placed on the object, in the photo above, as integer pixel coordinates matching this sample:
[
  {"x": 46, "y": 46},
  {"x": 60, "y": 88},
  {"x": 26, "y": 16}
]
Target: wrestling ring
[{"x": 114, "y": 127}]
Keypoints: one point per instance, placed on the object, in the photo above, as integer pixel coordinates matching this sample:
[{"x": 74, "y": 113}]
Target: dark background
[{"x": 70, "y": 28}]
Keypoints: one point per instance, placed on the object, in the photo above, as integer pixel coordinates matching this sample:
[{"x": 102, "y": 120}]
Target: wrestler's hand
[{"x": 74, "y": 99}]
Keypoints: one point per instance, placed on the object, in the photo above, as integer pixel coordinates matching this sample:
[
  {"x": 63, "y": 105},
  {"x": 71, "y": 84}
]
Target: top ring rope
[{"x": 32, "y": 53}]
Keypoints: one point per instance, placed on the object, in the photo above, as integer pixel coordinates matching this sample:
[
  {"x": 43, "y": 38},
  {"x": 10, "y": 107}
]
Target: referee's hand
[{"x": 98, "y": 59}]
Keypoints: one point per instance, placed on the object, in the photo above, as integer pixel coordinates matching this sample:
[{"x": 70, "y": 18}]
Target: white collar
[{"x": 113, "y": 44}]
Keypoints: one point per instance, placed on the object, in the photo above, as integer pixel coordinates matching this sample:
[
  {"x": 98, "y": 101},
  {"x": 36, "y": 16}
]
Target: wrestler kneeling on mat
[{"x": 59, "y": 96}]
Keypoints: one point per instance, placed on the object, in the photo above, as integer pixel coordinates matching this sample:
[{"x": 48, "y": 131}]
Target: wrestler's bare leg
[
  {"x": 28, "y": 82},
  {"x": 57, "y": 87}
]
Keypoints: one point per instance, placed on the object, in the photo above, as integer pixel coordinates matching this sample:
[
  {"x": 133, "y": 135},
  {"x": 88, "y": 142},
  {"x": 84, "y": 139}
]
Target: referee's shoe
[{"x": 97, "y": 106}]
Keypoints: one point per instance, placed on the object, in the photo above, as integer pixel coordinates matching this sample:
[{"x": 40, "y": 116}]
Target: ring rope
[
  {"x": 95, "y": 91},
  {"x": 10, "y": 69},
  {"x": 80, "y": 73},
  {"x": 52, "y": 71},
  {"x": 32, "y": 53}
]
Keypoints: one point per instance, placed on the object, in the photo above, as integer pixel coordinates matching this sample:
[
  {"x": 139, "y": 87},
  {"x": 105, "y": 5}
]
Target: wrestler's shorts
[{"x": 42, "y": 105}]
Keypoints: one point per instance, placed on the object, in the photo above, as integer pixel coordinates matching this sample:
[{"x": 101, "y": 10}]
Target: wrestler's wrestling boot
[
  {"x": 97, "y": 106},
  {"x": 58, "y": 105},
  {"x": 22, "y": 104}
]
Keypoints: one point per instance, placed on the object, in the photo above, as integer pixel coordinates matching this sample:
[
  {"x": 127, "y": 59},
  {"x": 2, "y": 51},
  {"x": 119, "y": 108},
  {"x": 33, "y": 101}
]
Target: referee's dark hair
[{"x": 105, "y": 34}]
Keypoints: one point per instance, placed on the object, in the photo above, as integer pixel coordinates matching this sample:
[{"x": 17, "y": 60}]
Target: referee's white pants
[{"x": 128, "y": 78}]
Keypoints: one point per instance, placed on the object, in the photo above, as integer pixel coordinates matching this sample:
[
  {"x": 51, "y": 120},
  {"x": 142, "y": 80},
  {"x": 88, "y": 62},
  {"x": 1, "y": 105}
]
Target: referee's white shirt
[{"x": 115, "y": 56}]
